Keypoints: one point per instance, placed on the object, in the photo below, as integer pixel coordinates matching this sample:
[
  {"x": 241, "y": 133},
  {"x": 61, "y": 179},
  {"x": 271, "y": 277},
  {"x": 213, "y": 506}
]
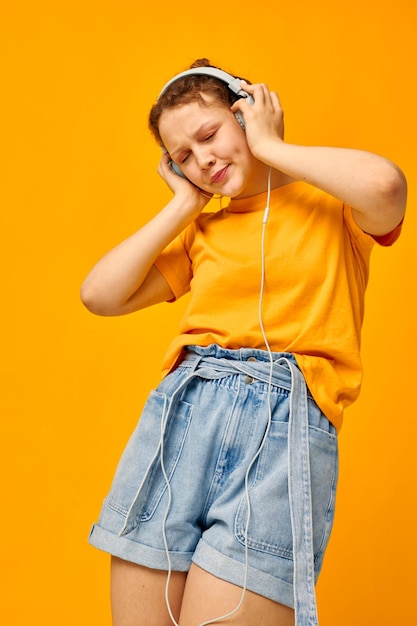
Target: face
[{"x": 210, "y": 147}]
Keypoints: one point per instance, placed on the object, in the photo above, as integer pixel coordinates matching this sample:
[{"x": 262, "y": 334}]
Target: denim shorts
[{"x": 233, "y": 467}]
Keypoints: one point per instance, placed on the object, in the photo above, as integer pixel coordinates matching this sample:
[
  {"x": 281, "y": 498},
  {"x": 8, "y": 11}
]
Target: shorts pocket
[
  {"x": 270, "y": 522},
  {"x": 139, "y": 484}
]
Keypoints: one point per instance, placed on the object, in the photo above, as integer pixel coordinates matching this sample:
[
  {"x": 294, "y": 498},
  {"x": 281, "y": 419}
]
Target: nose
[{"x": 204, "y": 159}]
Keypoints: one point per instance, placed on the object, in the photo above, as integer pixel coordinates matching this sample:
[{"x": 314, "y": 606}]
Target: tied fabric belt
[{"x": 286, "y": 374}]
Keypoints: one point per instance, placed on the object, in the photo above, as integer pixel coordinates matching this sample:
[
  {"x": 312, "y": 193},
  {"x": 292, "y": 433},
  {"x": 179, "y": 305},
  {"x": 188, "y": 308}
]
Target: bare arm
[
  {"x": 373, "y": 186},
  {"x": 125, "y": 279}
]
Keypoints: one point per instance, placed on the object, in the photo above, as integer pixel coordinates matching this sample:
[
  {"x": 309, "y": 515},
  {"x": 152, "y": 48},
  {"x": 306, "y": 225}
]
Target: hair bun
[{"x": 200, "y": 63}]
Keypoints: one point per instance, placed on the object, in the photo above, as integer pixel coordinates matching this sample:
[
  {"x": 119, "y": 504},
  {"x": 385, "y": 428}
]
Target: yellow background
[{"x": 78, "y": 174}]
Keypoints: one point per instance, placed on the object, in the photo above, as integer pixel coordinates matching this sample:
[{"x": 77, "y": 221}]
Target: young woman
[{"x": 223, "y": 501}]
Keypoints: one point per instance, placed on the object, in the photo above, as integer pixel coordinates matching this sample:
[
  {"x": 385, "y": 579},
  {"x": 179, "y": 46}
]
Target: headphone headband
[{"x": 233, "y": 82}]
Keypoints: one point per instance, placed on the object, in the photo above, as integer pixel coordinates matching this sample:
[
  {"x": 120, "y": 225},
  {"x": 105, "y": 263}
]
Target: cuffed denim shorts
[{"x": 233, "y": 467}]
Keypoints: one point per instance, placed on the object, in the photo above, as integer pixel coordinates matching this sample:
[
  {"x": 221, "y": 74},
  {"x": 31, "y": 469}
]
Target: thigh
[
  {"x": 207, "y": 598},
  {"x": 138, "y": 595}
]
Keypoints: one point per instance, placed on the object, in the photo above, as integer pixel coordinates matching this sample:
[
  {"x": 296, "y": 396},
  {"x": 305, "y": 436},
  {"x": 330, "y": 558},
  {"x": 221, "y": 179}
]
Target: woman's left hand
[{"x": 264, "y": 119}]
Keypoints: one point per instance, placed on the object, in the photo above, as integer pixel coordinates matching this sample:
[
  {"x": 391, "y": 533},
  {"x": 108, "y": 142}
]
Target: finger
[
  {"x": 263, "y": 96},
  {"x": 164, "y": 161},
  {"x": 165, "y": 158},
  {"x": 276, "y": 103},
  {"x": 257, "y": 91},
  {"x": 241, "y": 105}
]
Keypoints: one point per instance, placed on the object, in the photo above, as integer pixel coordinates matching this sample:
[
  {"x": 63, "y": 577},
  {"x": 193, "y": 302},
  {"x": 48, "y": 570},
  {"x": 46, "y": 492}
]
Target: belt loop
[
  {"x": 195, "y": 363},
  {"x": 299, "y": 487},
  {"x": 193, "y": 358}
]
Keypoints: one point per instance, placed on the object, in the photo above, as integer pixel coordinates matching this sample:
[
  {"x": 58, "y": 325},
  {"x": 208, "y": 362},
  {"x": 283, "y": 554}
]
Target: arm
[
  {"x": 125, "y": 279},
  {"x": 373, "y": 186}
]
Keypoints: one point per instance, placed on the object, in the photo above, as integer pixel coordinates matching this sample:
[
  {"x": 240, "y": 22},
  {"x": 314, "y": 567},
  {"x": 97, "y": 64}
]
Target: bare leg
[
  {"x": 207, "y": 597},
  {"x": 138, "y": 595}
]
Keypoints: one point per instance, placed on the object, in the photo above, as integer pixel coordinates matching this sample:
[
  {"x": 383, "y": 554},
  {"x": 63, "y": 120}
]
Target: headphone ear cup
[
  {"x": 176, "y": 169},
  {"x": 239, "y": 114},
  {"x": 240, "y": 119}
]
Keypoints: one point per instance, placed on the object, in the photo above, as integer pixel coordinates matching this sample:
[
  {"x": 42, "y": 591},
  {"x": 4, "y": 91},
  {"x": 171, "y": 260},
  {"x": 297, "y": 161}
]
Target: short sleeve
[
  {"x": 389, "y": 238},
  {"x": 366, "y": 239}
]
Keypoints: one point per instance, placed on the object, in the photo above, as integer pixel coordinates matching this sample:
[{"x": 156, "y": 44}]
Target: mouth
[{"x": 219, "y": 176}]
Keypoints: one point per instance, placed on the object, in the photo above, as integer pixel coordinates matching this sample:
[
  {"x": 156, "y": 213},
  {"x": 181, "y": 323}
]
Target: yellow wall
[{"x": 78, "y": 173}]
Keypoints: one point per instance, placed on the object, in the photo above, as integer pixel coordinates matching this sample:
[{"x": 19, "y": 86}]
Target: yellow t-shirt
[{"x": 316, "y": 271}]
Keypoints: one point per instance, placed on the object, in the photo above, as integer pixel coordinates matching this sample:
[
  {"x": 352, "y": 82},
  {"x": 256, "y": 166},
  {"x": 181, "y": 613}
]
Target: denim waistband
[{"x": 218, "y": 367}]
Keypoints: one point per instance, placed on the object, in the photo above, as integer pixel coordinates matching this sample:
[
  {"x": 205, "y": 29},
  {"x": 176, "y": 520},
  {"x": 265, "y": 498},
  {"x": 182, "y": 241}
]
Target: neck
[{"x": 258, "y": 182}]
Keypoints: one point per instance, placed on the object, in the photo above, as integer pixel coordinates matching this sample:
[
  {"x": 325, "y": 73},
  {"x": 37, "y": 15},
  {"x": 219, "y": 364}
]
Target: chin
[
  {"x": 237, "y": 192},
  {"x": 233, "y": 189}
]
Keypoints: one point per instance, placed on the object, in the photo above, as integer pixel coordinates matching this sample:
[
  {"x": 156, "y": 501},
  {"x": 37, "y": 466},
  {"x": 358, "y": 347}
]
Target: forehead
[{"x": 186, "y": 120}]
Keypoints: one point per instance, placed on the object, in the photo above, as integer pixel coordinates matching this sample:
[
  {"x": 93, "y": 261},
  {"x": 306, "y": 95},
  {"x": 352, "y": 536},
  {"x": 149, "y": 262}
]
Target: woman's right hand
[{"x": 183, "y": 188}]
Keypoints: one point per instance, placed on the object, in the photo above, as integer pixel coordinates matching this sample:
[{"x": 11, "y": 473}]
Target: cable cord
[{"x": 252, "y": 462}]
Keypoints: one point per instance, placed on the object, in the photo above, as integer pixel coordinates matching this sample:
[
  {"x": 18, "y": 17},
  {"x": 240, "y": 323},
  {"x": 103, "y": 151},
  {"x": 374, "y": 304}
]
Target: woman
[{"x": 222, "y": 504}]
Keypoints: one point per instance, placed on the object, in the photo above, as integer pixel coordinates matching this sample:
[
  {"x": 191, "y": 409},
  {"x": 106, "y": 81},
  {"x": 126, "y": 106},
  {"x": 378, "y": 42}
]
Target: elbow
[
  {"x": 386, "y": 202},
  {"x": 393, "y": 190},
  {"x": 88, "y": 297},
  {"x": 93, "y": 299}
]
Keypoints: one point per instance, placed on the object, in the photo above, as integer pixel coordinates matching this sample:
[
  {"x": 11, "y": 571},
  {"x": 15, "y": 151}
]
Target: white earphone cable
[{"x": 247, "y": 496}]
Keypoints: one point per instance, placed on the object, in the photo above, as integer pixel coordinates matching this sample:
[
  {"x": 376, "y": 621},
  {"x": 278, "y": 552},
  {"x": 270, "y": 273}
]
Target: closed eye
[
  {"x": 182, "y": 159},
  {"x": 210, "y": 136}
]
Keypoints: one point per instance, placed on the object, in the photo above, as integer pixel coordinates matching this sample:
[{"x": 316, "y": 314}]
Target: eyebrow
[{"x": 200, "y": 130}]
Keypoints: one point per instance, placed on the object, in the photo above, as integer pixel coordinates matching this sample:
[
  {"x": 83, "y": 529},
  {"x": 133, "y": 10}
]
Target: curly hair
[{"x": 189, "y": 89}]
